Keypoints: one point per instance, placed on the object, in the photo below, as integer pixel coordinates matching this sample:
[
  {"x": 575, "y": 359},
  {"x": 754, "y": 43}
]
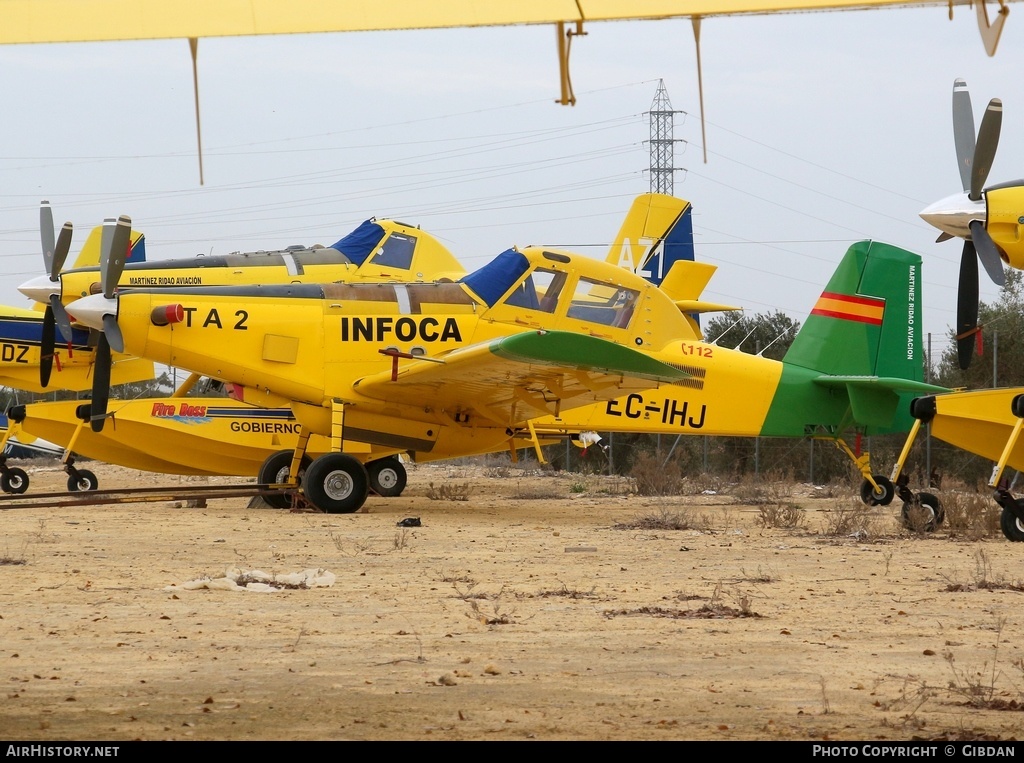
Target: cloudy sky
[{"x": 822, "y": 129}]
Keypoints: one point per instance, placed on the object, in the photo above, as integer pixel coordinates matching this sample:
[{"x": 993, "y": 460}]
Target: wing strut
[
  {"x": 193, "y": 44},
  {"x": 564, "y": 47},
  {"x": 700, "y": 86},
  {"x": 990, "y": 31}
]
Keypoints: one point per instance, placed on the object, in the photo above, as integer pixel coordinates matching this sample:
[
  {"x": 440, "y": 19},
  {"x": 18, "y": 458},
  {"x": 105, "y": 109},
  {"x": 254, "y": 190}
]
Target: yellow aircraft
[
  {"x": 378, "y": 250},
  {"x": 218, "y": 435},
  {"x": 990, "y": 219},
  {"x": 450, "y": 369},
  {"x": 985, "y": 422},
  {"x": 27, "y": 347}
]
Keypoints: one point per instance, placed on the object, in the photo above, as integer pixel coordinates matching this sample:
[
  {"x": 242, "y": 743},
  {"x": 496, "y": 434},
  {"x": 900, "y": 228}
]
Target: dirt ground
[{"x": 542, "y": 607}]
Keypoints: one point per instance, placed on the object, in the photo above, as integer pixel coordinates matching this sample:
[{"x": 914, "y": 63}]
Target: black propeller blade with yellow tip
[{"x": 974, "y": 158}]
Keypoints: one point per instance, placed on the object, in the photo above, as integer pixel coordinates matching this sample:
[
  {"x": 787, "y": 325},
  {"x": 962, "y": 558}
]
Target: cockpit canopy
[{"x": 545, "y": 285}]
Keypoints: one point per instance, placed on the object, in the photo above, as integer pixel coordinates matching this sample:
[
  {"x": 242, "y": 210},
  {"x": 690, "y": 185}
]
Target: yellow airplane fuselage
[
  {"x": 181, "y": 435},
  {"x": 312, "y": 352},
  {"x": 20, "y": 334},
  {"x": 1005, "y": 222},
  {"x": 404, "y": 253}
]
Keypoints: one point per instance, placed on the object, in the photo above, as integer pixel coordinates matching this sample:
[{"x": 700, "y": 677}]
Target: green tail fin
[
  {"x": 857, "y": 359},
  {"x": 867, "y": 321}
]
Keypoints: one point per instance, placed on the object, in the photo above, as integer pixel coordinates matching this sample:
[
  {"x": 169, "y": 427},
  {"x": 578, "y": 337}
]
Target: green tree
[
  {"x": 772, "y": 332},
  {"x": 1004, "y": 318}
]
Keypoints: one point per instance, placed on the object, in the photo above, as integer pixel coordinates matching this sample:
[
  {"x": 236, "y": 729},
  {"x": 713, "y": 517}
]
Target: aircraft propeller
[
  {"x": 115, "y": 244},
  {"x": 55, "y": 252},
  {"x": 966, "y": 215}
]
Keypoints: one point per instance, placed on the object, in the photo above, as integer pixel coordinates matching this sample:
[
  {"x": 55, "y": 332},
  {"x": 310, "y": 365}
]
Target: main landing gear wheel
[
  {"x": 1012, "y": 527},
  {"x": 882, "y": 496},
  {"x": 387, "y": 477},
  {"x": 84, "y": 482},
  {"x": 14, "y": 480},
  {"x": 274, "y": 471},
  {"x": 336, "y": 484},
  {"x": 924, "y": 512}
]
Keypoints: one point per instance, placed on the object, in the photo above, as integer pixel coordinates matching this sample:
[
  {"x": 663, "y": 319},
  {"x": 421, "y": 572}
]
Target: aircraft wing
[
  {"x": 519, "y": 377},
  {"x": 873, "y": 399},
  {"x": 34, "y": 21}
]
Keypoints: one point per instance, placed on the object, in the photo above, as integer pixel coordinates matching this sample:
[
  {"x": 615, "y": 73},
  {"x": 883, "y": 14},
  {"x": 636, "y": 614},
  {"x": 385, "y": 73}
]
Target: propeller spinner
[{"x": 967, "y": 215}]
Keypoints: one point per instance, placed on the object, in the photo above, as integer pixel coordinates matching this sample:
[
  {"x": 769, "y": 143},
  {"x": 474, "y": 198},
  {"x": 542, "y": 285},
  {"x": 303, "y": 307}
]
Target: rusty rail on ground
[{"x": 139, "y": 495}]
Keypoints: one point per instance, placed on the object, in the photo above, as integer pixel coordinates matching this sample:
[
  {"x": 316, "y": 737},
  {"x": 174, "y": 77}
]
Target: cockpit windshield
[{"x": 396, "y": 251}]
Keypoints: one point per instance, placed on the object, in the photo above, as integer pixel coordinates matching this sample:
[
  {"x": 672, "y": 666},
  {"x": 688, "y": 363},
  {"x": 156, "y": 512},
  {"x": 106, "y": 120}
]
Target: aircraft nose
[
  {"x": 954, "y": 214},
  {"x": 90, "y": 310},
  {"x": 40, "y": 288}
]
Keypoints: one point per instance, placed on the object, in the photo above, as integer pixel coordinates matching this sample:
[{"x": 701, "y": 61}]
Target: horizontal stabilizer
[
  {"x": 874, "y": 400},
  {"x": 699, "y": 306}
]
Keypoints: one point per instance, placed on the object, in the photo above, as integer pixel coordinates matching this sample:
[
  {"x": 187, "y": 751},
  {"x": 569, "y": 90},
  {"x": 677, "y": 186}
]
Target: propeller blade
[
  {"x": 967, "y": 305},
  {"x": 944, "y": 237},
  {"x": 46, "y": 234},
  {"x": 46, "y": 347},
  {"x": 61, "y": 317},
  {"x": 115, "y": 257},
  {"x": 988, "y": 252},
  {"x": 985, "y": 153},
  {"x": 100, "y": 384},
  {"x": 113, "y": 333},
  {"x": 963, "y": 131},
  {"x": 60, "y": 252}
]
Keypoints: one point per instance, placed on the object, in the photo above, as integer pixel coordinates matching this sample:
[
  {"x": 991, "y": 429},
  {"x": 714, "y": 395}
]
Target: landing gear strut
[{"x": 876, "y": 490}]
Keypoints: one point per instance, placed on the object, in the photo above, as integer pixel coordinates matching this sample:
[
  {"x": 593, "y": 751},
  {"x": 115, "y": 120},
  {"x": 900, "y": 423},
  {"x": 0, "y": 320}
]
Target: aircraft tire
[
  {"x": 275, "y": 471},
  {"x": 14, "y": 481},
  {"x": 84, "y": 482},
  {"x": 336, "y": 483},
  {"x": 882, "y": 497},
  {"x": 1012, "y": 527},
  {"x": 388, "y": 477},
  {"x": 933, "y": 514}
]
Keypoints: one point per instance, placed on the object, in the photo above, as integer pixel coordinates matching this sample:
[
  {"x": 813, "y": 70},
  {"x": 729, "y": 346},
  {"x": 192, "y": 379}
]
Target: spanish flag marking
[{"x": 850, "y": 308}]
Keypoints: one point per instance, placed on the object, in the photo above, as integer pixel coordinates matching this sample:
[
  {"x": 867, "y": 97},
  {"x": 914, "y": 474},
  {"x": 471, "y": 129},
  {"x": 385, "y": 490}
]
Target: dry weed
[
  {"x": 662, "y": 519},
  {"x": 766, "y": 490},
  {"x": 971, "y": 516},
  {"x": 787, "y": 516},
  {"x": 449, "y": 491},
  {"x": 653, "y": 475},
  {"x": 846, "y": 518},
  {"x": 532, "y": 492}
]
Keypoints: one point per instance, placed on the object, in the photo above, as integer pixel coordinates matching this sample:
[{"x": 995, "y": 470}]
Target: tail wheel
[
  {"x": 336, "y": 484},
  {"x": 274, "y": 471},
  {"x": 877, "y": 497},
  {"x": 1012, "y": 527},
  {"x": 84, "y": 482},
  {"x": 14, "y": 480},
  {"x": 387, "y": 477},
  {"x": 931, "y": 513}
]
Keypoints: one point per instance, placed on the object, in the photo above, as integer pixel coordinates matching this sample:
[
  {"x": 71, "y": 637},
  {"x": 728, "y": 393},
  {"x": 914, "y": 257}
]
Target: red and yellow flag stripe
[{"x": 850, "y": 308}]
